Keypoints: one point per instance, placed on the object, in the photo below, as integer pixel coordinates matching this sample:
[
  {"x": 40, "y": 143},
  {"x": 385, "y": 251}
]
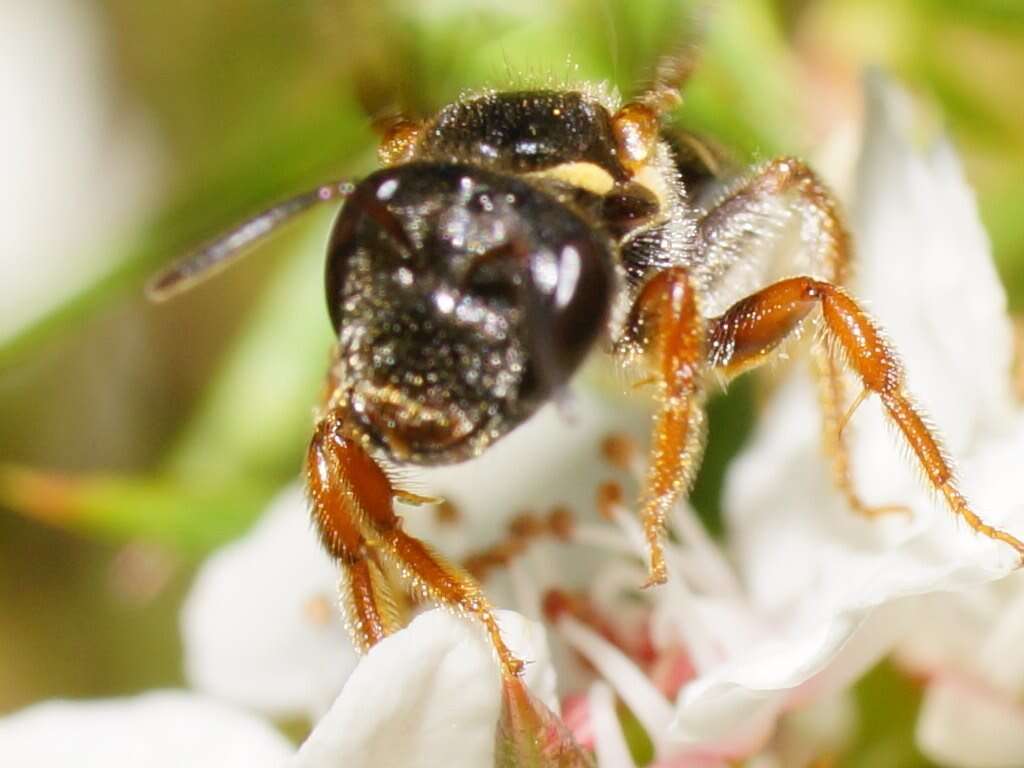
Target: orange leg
[
  {"x": 835, "y": 416},
  {"x": 353, "y": 507},
  {"x": 666, "y": 327},
  {"x": 748, "y": 332},
  {"x": 829, "y": 258},
  {"x": 367, "y": 596}
]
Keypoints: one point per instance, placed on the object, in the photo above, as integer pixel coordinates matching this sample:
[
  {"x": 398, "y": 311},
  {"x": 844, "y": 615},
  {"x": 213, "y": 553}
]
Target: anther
[
  {"x": 560, "y": 523},
  {"x": 619, "y": 450},
  {"x": 609, "y": 496}
]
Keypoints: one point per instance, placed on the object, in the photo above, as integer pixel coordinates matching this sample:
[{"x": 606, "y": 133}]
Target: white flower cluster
[{"x": 719, "y": 664}]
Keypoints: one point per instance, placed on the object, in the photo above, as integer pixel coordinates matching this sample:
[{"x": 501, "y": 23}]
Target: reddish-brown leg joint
[
  {"x": 353, "y": 507},
  {"x": 636, "y": 128}
]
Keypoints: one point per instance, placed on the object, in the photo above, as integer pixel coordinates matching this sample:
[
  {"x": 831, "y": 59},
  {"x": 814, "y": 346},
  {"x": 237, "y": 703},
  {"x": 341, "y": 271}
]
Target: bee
[{"x": 503, "y": 241}]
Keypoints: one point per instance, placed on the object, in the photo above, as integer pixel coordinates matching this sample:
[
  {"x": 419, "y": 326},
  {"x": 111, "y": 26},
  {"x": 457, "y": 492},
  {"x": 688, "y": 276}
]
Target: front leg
[
  {"x": 353, "y": 506},
  {"x": 666, "y": 329},
  {"x": 337, "y": 493},
  {"x": 748, "y": 332}
]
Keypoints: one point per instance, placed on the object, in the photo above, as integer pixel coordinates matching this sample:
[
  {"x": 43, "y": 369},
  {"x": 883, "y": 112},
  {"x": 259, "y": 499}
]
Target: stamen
[
  {"x": 687, "y": 564},
  {"x": 557, "y": 604},
  {"x": 622, "y": 452},
  {"x": 629, "y": 525},
  {"x": 716, "y": 573},
  {"x": 651, "y": 708},
  {"x": 610, "y": 586},
  {"x": 525, "y": 591},
  {"x": 608, "y": 495},
  {"x": 522, "y": 531},
  {"x": 609, "y": 741},
  {"x": 1000, "y": 658},
  {"x": 318, "y": 610},
  {"x": 702, "y": 562},
  {"x": 604, "y": 538},
  {"x": 447, "y": 513},
  {"x": 679, "y": 606}
]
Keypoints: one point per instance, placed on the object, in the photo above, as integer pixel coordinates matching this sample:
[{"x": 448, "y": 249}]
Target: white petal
[
  {"x": 816, "y": 573},
  {"x": 966, "y": 725},
  {"x": 972, "y": 713},
  {"x": 428, "y": 695},
  {"x": 729, "y": 719},
  {"x": 824, "y": 581},
  {"x": 165, "y": 728},
  {"x": 825, "y": 727},
  {"x": 261, "y": 626},
  {"x": 924, "y": 261}
]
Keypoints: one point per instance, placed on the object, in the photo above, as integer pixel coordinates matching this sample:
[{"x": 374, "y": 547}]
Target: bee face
[
  {"x": 463, "y": 299},
  {"x": 468, "y": 280}
]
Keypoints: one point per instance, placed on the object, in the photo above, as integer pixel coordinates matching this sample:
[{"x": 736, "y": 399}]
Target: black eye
[
  {"x": 566, "y": 308},
  {"x": 365, "y": 223}
]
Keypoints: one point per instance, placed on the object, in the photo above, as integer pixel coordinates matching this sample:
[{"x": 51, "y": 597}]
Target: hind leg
[
  {"x": 776, "y": 189},
  {"x": 748, "y": 332}
]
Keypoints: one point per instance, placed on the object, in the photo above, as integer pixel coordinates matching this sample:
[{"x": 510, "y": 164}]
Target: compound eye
[
  {"x": 567, "y": 308},
  {"x": 365, "y": 223}
]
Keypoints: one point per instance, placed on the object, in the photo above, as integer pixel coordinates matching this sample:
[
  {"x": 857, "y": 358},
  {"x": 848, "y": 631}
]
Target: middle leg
[{"x": 666, "y": 329}]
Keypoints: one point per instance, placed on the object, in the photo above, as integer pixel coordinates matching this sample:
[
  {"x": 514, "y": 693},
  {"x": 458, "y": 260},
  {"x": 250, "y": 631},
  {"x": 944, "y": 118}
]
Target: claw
[{"x": 416, "y": 500}]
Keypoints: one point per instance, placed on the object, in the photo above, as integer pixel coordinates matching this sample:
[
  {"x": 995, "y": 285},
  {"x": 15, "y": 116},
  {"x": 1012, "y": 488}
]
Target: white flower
[
  {"x": 825, "y": 594},
  {"x": 260, "y": 626},
  {"x": 697, "y": 622},
  {"x": 163, "y": 728}
]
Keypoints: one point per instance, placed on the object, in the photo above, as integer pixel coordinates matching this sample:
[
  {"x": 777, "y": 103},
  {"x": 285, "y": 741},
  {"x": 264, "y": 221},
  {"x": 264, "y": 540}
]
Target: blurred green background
[{"x": 134, "y": 438}]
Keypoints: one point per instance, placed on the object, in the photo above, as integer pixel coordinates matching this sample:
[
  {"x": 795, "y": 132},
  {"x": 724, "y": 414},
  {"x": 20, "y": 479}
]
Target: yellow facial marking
[{"x": 593, "y": 178}]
